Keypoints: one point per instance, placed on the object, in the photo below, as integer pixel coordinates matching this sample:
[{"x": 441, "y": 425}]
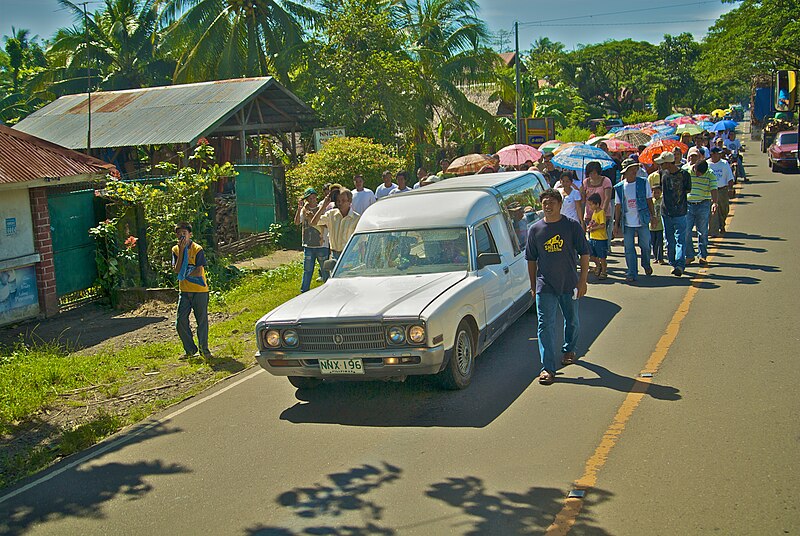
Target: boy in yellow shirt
[{"x": 598, "y": 237}]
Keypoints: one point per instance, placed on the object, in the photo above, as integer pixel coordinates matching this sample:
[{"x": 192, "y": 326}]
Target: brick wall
[{"x": 43, "y": 244}]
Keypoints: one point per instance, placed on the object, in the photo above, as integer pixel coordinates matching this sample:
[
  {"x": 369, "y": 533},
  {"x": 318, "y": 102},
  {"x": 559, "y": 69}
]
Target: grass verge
[{"x": 55, "y": 401}]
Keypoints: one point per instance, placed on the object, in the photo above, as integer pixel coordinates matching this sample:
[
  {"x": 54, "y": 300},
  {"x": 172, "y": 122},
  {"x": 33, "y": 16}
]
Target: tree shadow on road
[
  {"x": 502, "y": 374},
  {"x": 82, "y": 490},
  {"x": 477, "y": 511},
  {"x": 342, "y": 498},
  {"x": 611, "y": 380}
]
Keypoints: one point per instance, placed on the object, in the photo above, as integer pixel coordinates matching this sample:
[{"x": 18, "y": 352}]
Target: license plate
[{"x": 341, "y": 366}]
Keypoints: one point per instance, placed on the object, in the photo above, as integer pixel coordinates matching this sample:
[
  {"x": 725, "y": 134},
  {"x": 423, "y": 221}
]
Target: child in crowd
[
  {"x": 657, "y": 229},
  {"x": 598, "y": 237}
]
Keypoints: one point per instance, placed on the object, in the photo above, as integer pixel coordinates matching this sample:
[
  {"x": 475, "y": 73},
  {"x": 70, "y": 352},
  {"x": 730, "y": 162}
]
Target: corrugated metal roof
[
  {"x": 25, "y": 158},
  {"x": 154, "y": 116}
]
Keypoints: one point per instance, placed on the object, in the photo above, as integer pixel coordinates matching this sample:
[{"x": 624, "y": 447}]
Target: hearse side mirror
[
  {"x": 329, "y": 265},
  {"x": 785, "y": 86},
  {"x": 488, "y": 259}
]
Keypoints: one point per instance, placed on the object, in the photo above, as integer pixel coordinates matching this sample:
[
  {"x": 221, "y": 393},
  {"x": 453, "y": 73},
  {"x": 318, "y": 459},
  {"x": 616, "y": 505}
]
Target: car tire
[
  {"x": 458, "y": 372},
  {"x": 302, "y": 382}
]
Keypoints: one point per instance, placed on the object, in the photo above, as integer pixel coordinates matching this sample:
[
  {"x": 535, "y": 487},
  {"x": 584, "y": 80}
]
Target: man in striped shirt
[{"x": 702, "y": 200}]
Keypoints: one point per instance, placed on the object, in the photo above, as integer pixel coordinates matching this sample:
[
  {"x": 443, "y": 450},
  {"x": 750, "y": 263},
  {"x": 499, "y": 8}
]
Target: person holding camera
[{"x": 189, "y": 262}]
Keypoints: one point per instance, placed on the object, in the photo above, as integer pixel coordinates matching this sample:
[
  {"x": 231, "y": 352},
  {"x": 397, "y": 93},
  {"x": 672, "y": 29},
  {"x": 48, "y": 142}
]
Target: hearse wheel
[{"x": 458, "y": 372}]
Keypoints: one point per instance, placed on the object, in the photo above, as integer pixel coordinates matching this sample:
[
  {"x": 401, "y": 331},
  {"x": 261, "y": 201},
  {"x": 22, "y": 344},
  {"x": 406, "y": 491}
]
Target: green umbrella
[
  {"x": 673, "y": 116},
  {"x": 691, "y": 129}
]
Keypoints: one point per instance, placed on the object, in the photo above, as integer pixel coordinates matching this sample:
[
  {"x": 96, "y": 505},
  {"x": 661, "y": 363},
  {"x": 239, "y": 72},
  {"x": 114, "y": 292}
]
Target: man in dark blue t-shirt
[{"x": 554, "y": 246}]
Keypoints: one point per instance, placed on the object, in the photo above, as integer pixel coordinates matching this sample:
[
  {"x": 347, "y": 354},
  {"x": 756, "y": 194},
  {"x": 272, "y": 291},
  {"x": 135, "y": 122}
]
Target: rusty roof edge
[
  {"x": 58, "y": 149},
  {"x": 60, "y": 181}
]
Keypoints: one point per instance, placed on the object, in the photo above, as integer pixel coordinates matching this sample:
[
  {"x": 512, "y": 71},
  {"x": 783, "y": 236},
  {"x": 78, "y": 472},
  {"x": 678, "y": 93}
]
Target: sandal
[
  {"x": 568, "y": 358},
  {"x": 545, "y": 378}
]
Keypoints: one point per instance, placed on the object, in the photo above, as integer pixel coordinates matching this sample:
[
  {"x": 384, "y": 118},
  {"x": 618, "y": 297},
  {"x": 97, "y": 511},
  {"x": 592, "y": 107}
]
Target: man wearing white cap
[
  {"x": 676, "y": 185},
  {"x": 634, "y": 213}
]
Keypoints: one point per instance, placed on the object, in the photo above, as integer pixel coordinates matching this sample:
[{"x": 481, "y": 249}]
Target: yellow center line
[{"x": 566, "y": 518}]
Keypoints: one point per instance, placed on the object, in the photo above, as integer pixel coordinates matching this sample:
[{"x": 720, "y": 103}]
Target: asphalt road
[{"x": 708, "y": 445}]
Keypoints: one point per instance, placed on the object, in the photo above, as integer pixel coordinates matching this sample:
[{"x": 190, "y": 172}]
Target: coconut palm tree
[
  {"x": 123, "y": 50},
  {"x": 232, "y": 38},
  {"x": 447, "y": 40}
]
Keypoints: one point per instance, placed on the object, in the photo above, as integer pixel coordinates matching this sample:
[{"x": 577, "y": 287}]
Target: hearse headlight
[
  {"x": 290, "y": 338},
  {"x": 273, "y": 338},
  {"x": 397, "y": 335},
  {"x": 416, "y": 334}
]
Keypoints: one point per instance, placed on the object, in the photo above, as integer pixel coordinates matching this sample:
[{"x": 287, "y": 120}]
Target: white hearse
[{"x": 427, "y": 282}]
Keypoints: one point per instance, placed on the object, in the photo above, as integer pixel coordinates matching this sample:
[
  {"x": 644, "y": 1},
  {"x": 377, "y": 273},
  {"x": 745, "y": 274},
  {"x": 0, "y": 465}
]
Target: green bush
[
  {"x": 338, "y": 161},
  {"x": 574, "y": 134},
  {"x": 635, "y": 118}
]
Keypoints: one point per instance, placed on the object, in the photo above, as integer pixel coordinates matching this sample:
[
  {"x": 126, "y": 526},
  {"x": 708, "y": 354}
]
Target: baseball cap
[
  {"x": 693, "y": 150},
  {"x": 308, "y": 192},
  {"x": 716, "y": 150},
  {"x": 666, "y": 156}
]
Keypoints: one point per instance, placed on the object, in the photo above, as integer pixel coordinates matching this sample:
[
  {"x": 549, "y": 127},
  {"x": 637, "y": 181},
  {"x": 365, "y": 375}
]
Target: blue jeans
[
  {"x": 546, "y": 305},
  {"x": 197, "y": 302},
  {"x": 657, "y": 243},
  {"x": 698, "y": 216},
  {"x": 675, "y": 234},
  {"x": 312, "y": 256},
  {"x": 629, "y": 235}
]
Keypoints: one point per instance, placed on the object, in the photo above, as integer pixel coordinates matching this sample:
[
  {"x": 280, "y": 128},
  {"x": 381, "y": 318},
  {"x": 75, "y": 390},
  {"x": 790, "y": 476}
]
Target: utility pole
[
  {"x": 520, "y": 124},
  {"x": 88, "y": 79}
]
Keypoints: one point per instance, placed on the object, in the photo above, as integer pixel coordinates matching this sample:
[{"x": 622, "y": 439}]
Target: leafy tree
[
  {"x": 616, "y": 75},
  {"x": 220, "y": 39},
  {"x": 544, "y": 59},
  {"x": 445, "y": 39},
  {"x": 338, "y": 161},
  {"x": 124, "y": 49},
  {"x": 680, "y": 54},
  {"x": 357, "y": 73}
]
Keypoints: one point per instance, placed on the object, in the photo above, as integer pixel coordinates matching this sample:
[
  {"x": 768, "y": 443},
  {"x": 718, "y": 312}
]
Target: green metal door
[
  {"x": 72, "y": 214},
  {"x": 255, "y": 200}
]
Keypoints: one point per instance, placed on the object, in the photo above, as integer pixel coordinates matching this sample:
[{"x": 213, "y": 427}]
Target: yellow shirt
[
  {"x": 654, "y": 178},
  {"x": 195, "y": 252},
  {"x": 599, "y": 218},
  {"x": 340, "y": 228}
]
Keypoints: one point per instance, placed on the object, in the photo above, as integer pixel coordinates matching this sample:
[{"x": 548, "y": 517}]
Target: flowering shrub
[{"x": 117, "y": 265}]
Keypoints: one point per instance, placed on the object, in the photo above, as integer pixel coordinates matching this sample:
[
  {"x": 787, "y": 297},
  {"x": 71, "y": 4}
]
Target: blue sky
[{"x": 581, "y": 21}]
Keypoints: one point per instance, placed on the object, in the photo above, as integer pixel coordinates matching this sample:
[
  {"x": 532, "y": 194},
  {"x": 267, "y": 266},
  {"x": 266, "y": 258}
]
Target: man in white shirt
[
  {"x": 362, "y": 197},
  {"x": 422, "y": 174},
  {"x": 387, "y": 186},
  {"x": 401, "y": 187},
  {"x": 572, "y": 202},
  {"x": 634, "y": 212},
  {"x": 734, "y": 147},
  {"x": 722, "y": 170}
]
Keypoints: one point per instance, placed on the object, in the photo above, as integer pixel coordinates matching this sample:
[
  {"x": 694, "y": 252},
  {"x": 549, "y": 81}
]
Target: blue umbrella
[
  {"x": 666, "y": 129},
  {"x": 577, "y": 156},
  {"x": 663, "y": 136},
  {"x": 727, "y": 124},
  {"x": 706, "y": 125}
]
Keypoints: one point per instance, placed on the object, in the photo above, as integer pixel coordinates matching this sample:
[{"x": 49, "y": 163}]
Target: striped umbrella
[
  {"x": 658, "y": 147},
  {"x": 550, "y": 145},
  {"x": 471, "y": 163},
  {"x": 634, "y": 137},
  {"x": 578, "y": 155}
]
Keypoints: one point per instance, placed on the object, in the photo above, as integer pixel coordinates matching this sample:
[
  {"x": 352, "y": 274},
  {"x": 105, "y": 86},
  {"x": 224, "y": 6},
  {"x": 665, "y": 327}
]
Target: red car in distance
[{"x": 783, "y": 151}]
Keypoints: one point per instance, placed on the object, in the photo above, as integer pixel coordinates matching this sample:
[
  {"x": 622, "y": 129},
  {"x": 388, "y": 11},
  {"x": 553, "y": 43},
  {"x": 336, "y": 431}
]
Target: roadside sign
[
  {"x": 321, "y": 135},
  {"x": 539, "y": 130}
]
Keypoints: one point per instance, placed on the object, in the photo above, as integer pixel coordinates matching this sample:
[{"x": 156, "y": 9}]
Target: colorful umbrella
[
  {"x": 517, "y": 154},
  {"x": 616, "y": 145},
  {"x": 702, "y": 117},
  {"x": 578, "y": 155},
  {"x": 661, "y": 136},
  {"x": 565, "y": 146},
  {"x": 719, "y": 112},
  {"x": 634, "y": 137},
  {"x": 724, "y": 125},
  {"x": 550, "y": 145},
  {"x": 665, "y": 129},
  {"x": 690, "y": 129},
  {"x": 684, "y": 121},
  {"x": 706, "y": 125},
  {"x": 597, "y": 139},
  {"x": 471, "y": 163},
  {"x": 658, "y": 147},
  {"x": 673, "y": 116}
]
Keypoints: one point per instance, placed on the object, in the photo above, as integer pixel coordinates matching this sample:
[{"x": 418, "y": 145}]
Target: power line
[
  {"x": 662, "y": 23},
  {"x": 673, "y": 6}
]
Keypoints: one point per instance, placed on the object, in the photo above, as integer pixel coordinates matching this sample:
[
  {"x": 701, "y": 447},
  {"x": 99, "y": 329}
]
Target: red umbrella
[
  {"x": 517, "y": 154},
  {"x": 685, "y": 120},
  {"x": 658, "y": 147}
]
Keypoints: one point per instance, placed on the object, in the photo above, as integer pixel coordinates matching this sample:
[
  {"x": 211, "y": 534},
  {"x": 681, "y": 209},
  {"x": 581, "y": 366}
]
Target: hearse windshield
[{"x": 406, "y": 252}]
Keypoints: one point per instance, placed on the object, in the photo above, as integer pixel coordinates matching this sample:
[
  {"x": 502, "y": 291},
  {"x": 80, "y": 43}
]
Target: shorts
[{"x": 598, "y": 248}]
